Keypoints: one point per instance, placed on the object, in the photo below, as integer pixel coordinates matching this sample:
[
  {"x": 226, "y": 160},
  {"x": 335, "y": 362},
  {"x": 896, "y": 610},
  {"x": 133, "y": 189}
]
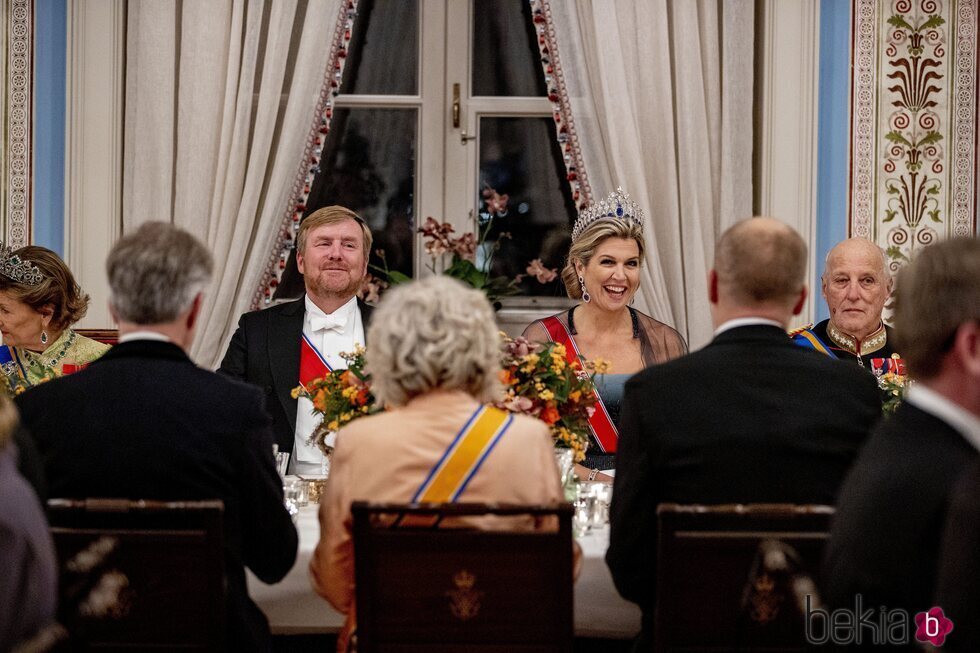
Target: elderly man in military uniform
[{"x": 856, "y": 285}]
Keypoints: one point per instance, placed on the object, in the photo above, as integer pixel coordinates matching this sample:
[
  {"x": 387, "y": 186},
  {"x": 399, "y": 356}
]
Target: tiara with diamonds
[
  {"x": 17, "y": 269},
  {"x": 618, "y": 206}
]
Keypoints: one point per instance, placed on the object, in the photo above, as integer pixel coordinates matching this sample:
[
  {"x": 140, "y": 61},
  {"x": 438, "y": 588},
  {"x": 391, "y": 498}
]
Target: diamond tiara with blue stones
[
  {"x": 16, "y": 269},
  {"x": 618, "y": 206}
]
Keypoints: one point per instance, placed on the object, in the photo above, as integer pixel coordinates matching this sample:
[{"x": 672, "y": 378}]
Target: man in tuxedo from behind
[
  {"x": 144, "y": 422},
  {"x": 885, "y": 540},
  {"x": 752, "y": 417},
  {"x": 332, "y": 250}
]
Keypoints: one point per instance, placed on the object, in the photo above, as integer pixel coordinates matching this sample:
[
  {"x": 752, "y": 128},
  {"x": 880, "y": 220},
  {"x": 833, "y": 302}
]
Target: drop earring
[
  {"x": 586, "y": 297},
  {"x": 44, "y": 337}
]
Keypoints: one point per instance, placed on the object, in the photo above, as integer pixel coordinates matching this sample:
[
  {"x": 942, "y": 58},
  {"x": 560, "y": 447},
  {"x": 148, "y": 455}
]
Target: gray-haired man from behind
[{"x": 144, "y": 422}]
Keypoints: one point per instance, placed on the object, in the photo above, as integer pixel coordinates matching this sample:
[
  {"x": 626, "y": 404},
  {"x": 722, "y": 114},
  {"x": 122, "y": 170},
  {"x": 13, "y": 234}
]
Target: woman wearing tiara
[
  {"x": 39, "y": 301},
  {"x": 603, "y": 272}
]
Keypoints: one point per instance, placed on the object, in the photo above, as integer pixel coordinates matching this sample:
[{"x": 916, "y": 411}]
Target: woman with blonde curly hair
[
  {"x": 39, "y": 301},
  {"x": 603, "y": 273},
  {"x": 435, "y": 361}
]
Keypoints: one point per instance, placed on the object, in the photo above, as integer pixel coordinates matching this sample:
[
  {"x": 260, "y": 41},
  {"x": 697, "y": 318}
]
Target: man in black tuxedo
[
  {"x": 749, "y": 418},
  {"x": 957, "y": 590},
  {"x": 144, "y": 422},
  {"x": 333, "y": 245},
  {"x": 886, "y": 535}
]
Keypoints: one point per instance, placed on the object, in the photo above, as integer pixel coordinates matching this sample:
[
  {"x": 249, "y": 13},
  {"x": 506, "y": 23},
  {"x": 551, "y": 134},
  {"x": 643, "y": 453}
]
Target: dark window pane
[
  {"x": 522, "y": 158},
  {"x": 368, "y": 165},
  {"x": 384, "y": 49},
  {"x": 505, "y": 49}
]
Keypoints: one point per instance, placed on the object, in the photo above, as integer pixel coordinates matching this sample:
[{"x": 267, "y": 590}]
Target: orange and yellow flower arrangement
[{"x": 538, "y": 381}]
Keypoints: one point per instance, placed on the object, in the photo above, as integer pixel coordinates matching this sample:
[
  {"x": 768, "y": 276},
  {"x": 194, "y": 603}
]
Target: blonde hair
[
  {"x": 58, "y": 288},
  {"x": 434, "y": 334},
  {"x": 585, "y": 246},
  {"x": 332, "y": 215}
]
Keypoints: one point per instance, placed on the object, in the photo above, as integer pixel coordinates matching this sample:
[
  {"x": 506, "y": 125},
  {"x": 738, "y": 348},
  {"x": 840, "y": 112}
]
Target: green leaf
[
  {"x": 895, "y": 253},
  {"x": 935, "y": 20},
  {"x": 889, "y": 216},
  {"x": 899, "y": 22},
  {"x": 896, "y": 137},
  {"x": 466, "y": 272},
  {"x": 935, "y": 216},
  {"x": 931, "y": 137},
  {"x": 395, "y": 277}
]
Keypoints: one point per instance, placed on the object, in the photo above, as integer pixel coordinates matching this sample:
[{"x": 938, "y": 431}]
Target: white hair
[
  {"x": 156, "y": 272},
  {"x": 433, "y": 334}
]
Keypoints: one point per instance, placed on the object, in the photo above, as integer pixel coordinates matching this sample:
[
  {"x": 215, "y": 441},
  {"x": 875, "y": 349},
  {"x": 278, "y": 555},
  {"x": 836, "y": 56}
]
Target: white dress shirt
[
  {"x": 143, "y": 335},
  {"x": 332, "y": 335},
  {"x": 959, "y": 418},
  {"x": 747, "y": 321}
]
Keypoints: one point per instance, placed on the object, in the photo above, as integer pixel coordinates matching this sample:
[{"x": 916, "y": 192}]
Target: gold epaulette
[{"x": 796, "y": 332}]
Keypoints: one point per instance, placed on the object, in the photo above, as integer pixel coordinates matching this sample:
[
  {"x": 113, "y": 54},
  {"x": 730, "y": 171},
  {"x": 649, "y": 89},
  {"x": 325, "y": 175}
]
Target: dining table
[{"x": 293, "y": 608}]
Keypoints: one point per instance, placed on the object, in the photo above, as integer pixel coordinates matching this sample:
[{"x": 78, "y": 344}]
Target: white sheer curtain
[
  {"x": 661, "y": 95},
  {"x": 220, "y": 99}
]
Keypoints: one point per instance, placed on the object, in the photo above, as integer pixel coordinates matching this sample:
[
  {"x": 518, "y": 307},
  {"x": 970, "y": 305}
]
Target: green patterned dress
[{"x": 28, "y": 368}]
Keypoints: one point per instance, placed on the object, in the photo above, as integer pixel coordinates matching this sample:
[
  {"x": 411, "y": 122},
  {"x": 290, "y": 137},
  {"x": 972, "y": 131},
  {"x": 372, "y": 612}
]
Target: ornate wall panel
[
  {"x": 17, "y": 67},
  {"x": 913, "y": 123}
]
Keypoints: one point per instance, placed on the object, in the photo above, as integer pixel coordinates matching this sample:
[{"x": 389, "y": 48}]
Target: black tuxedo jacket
[
  {"x": 265, "y": 352},
  {"x": 752, "y": 417},
  {"x": 144, "y": 422},
  {"x": 958, "y": 592},
  {"x": 886, "y": 534}
]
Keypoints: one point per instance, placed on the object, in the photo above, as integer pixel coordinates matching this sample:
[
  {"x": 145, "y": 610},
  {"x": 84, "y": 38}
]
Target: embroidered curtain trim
[
  {"x": 18, "y": 111},
  {"x": 561, "y": 108},
  {"x": 310, "y": 164}
]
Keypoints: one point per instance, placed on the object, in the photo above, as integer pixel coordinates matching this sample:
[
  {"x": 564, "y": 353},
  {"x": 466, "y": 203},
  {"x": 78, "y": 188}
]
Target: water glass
[
  {"x": 565, "y": 458},
  {"x": 584, "y": 517},
  {"x": 295, "y": 490},
  {"x": 282, "y": 462},
  {"x": 602, "y": 496}
]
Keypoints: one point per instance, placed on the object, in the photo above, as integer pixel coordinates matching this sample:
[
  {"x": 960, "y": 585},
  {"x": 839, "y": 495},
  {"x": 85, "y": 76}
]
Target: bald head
[
  {"x": 856, "y": 285},
  {"x": 856, "y": 247},
  {"x": 760, "y": 262}
]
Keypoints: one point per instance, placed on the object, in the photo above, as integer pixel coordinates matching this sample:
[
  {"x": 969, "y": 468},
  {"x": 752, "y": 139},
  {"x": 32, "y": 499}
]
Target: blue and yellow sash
[
  {"x": 805, "y": 337},
  {"x": 464, "y": 456},
  {"x": 449, "y": 477}
]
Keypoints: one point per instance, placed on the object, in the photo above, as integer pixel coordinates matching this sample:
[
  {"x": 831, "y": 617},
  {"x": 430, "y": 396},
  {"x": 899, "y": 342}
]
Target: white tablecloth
[{"x": 293, "y": 608}]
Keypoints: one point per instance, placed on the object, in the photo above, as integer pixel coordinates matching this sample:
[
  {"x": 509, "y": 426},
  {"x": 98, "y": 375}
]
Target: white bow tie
[{"x": 327, "y": 323}]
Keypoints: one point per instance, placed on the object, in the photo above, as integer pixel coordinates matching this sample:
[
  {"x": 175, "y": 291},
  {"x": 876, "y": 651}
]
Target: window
[{"x": 440, "y": 99}]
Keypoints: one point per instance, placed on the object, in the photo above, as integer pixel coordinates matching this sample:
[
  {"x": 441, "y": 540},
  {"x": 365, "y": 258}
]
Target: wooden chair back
[
  {"x": 720, "y": 582},
  {"x": 107, "y": 336},
  {"x": 140, "y": 575},
  {"x": 425, "y": 585}
]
